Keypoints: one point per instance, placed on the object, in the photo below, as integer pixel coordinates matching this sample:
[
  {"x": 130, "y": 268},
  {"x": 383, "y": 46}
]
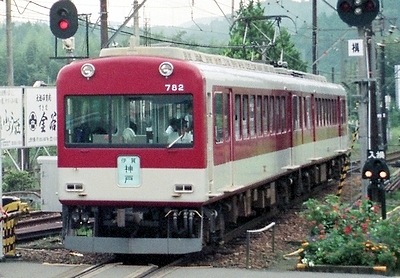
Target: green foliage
[
  {"x": 33, "y": 46},
  {"x": 343, "y": 235},
  {"x": 18, "y": 181},
  {"x": 261, "y": 33}
]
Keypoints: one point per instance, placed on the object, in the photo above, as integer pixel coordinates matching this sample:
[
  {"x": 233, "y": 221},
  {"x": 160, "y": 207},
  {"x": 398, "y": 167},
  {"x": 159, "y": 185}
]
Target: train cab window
[{"x": 129, "y": 120}]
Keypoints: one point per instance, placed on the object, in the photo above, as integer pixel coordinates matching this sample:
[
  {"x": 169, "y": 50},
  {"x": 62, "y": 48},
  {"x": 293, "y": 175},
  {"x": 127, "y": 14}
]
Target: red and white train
[{"x": 159, "y": 149}]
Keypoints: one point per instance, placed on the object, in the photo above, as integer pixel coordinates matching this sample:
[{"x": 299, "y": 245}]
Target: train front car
[
  {"x": 162, "y": 150},
  {"x": 131, "y": 154}
]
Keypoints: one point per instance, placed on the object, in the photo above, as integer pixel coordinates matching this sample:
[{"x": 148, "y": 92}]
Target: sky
[{"x": 154, "y": 12}]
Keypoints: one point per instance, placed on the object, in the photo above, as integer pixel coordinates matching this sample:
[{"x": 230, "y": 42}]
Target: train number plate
[{"x": 128, "y": 171}]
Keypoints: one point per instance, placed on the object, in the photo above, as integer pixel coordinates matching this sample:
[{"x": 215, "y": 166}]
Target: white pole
[{"x": 1, "y": 195}]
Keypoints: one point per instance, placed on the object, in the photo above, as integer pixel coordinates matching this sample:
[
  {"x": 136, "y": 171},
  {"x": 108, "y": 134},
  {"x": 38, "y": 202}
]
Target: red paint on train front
[{"x": 125, "y": 76}]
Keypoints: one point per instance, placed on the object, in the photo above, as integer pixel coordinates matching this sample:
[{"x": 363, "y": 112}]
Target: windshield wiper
[{"x": 176, "y": 140}]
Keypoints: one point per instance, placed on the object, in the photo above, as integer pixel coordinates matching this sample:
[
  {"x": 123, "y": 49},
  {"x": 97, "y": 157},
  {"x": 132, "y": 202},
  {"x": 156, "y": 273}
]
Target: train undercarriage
[{"x": 162, "y": 230}]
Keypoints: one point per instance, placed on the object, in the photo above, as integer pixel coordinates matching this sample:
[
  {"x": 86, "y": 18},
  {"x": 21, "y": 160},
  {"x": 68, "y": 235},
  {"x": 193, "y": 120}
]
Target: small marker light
[{"x": 166, "y": 69}]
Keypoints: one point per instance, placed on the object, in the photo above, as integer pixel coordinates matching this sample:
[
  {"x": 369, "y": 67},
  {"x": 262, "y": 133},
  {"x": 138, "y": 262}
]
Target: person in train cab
[
  {"x": 82, "y": 133},
  {"x": 186, "y": 131},
  {"x": 189, "y": 118},
  {"x": 133, "y": 126},
  {"x": 172, "y": 130}
]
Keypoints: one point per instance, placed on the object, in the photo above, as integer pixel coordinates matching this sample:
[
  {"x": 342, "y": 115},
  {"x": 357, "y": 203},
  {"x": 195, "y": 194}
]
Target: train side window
[
  {"x": 265, "y": 115},
  {"x": 283, "y": 114},
  {"x": 259, "y": 115},
  {"x": 245, "y": 117},
  {"x": 308, "y": 112},
  {"x": 272, "y": 115},
  {"x": 237, "y": 117},
  {"x": 343, "y": 117},
  {"x": 252, "y": 107},
  {"x": 302, "y": 113},
  {"x": 226, "y": 116},
  {"x": 219, "y": 117},
  {"x": 296, "y": 113},
  {"x": 277, "y": 110}
]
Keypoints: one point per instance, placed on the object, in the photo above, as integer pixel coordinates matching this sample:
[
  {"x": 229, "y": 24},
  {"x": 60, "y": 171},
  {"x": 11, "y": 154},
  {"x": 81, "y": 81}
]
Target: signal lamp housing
[
  {"x": 375, "y": 169},
  {"x": 63, "y": 19},
  {"x": 358, "y": 13}
]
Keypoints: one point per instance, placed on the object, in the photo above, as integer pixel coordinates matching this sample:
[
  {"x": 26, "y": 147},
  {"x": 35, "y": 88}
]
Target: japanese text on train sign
[{"x": 128, "y": 171}]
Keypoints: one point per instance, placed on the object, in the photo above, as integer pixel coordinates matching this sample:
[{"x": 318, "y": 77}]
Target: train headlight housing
[
  {"x": 87, "y": 70},
  {"x": 166, "y": 69}
]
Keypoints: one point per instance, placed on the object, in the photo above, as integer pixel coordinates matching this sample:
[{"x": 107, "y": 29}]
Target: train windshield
[{"x": 125, "y": 120}]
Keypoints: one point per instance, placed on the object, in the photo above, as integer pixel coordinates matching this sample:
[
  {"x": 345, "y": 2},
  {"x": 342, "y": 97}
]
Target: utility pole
[
  {"x": 104, "y": 23},
  {"x": 10, "y": 60},
  {"x": 136, "y": 23},
  {"x": 314, "y": 36},
  {"x": 135, "y": 11}
]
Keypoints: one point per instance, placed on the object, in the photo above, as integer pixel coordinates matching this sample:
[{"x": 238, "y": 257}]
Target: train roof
[{"x": 196, "y": 56}]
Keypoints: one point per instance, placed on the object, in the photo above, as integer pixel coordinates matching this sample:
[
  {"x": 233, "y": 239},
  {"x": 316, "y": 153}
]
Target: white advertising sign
[
  {"x": 11, "y": 117},
  {"x": 40, "y": 117}
]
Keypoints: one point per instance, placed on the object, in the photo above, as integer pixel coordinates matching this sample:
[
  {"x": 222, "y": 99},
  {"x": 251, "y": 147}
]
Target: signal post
[{"x": 360, "y": 14}]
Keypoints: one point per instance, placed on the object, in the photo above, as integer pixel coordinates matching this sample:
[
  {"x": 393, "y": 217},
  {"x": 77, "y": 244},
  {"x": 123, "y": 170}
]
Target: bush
[
  {"x": 18, "y": 181},
  {"x": 343, "y": 235}
]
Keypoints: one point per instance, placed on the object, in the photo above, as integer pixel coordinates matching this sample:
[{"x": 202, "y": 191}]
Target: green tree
[{"x": 250, "y": 37}]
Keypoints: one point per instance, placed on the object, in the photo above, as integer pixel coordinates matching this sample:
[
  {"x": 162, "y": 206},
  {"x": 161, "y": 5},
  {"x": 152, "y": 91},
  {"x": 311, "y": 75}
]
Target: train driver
[{"x": 172, "y": 130}]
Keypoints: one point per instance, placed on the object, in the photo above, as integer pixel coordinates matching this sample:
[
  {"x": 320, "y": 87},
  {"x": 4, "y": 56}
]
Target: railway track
[{"x": 37, "y": 225}]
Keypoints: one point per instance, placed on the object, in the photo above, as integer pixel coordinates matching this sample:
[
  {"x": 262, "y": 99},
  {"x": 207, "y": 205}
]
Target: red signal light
[
  {"x": 369, "y": 6},
  {"x": 345, "y": 7},
  {"x": 63, "y": 24},
  {"x": 63, "y": 19}
]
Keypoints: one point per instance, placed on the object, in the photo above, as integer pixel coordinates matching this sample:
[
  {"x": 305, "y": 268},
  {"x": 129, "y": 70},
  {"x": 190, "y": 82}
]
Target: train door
[{"x": 222, "y": 138}]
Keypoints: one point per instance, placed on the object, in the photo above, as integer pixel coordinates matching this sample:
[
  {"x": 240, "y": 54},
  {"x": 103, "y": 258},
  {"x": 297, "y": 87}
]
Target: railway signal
[
  {"x": 63, "y": 19},
  {"x": 375, "y": 169},
  {"x": 358, "y": 13}
]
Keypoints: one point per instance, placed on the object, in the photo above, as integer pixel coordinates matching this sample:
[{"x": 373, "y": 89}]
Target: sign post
[{"x": 1, "y": 197}]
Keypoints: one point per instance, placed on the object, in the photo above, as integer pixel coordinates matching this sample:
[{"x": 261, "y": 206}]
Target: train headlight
[
  {"x": 87, "y": 70},
  {"x": 166, "y": 69},
  {"x": 75, "y": 215},
  {"x": 85, "y": 217}
]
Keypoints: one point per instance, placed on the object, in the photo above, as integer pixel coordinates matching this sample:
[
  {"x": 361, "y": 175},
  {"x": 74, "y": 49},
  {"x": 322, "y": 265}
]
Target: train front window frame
[{"x": 104, "y": 121}]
